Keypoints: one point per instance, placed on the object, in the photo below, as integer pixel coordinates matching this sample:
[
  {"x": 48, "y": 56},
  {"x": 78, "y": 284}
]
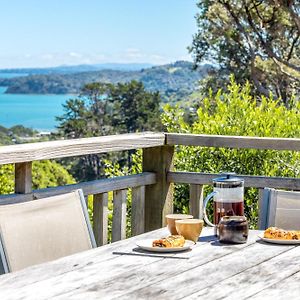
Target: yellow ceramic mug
[
  {"x": 171, "y": 218},
  {"x": 190, "y": 229}
]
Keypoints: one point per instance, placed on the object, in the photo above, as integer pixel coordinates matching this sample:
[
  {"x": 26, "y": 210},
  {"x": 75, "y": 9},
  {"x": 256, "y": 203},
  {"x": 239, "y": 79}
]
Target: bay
[
  {"x": 12, "y": 75},
  {"x": 32, "y": 111}
]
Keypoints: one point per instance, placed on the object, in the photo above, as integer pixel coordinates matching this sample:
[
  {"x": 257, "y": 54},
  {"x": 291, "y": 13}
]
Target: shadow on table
[
  {"x": 215, "y": 242},
  {"x": 208, "y": 238},
  {"x": 139, "y": 250}
]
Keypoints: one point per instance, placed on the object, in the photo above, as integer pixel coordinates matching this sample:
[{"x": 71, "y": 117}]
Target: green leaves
[
  {"x": 134, "y": 108},
  {"x": 48, "y": 173},
  {"x": 44, "y": 174},
  {"x": 7, "y": 179},
  {"x": 256, "y": 40}
]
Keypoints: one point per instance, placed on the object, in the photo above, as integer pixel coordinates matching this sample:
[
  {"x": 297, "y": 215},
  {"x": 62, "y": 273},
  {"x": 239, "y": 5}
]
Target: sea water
[
  {"x": 32, "y": 111},
  {"x": 12, "y": 75}
]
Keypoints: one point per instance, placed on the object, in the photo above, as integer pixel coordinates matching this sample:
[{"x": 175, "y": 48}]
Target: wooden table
[{"x": 210, "y": 270}]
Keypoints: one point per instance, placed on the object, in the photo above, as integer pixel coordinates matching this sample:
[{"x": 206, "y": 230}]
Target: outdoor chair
[
  {"x": 281, "y": 209},
  {"x": 42, "y": 230}
]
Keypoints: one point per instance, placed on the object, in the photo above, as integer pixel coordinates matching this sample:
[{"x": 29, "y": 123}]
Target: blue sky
[{"x": 42, "y": 33}]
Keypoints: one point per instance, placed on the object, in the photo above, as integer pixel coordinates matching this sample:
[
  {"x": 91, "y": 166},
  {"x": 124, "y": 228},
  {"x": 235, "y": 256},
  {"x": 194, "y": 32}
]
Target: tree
[
  {"x": 255, "y": 40},
  {"x": 73, "y": 124},
  {"x": 134, "y": 108}
]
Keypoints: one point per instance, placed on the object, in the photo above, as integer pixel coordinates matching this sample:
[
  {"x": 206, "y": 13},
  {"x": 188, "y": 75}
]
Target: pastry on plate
[
  {"x": 281, "y": 234},
  {"x": 172, "y": 241}
]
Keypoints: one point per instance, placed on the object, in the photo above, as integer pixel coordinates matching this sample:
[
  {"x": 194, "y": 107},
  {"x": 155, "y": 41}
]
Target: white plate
[
  {"x": 282, "y": 242},
  {"x": 147, "y": 245}
]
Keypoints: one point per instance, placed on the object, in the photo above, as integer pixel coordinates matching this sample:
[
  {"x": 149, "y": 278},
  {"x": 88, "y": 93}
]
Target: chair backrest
[
  {"x": 280, "y": 209},
  {"x": 43, "y": 230}
]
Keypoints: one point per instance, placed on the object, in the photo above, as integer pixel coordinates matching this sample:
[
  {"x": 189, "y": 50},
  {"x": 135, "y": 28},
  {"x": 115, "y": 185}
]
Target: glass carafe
[{"x": 228, "y": 196}]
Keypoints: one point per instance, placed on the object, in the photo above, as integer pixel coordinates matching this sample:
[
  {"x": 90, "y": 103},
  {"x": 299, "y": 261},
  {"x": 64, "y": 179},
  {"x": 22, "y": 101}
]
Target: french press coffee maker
[{"x": 228, "y": 196}]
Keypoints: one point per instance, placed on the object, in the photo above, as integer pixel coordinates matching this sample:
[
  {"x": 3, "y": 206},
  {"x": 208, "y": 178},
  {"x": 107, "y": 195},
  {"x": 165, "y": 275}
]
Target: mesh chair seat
[
  {"x": 42, "y": 230},
  {"x": 281, "y": 209}
]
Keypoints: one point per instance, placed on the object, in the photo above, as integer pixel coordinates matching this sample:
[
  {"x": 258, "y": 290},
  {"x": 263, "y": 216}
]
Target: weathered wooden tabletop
[{"x": 254, "y": 270}]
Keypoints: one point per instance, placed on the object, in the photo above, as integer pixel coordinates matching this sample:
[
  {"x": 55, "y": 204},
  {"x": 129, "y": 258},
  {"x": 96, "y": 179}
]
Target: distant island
[
  {"x": 79, "y": 68},
  {"x": 173, "y": 81}
]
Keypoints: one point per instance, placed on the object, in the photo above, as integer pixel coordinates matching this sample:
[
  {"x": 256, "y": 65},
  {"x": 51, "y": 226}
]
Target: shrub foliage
[{"x": 44, "y": 174}]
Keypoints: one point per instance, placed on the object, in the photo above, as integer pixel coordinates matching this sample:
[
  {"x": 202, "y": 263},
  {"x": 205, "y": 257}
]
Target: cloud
[
  {"x": 132, "y": 53},
  {"x": 128, "y": 55},
  {"x": 135, "y": 55},
  {"x": 187, "y": 57},
  {"x": 75, "y": 54},
  {"x": 159, "y": 59},
  {"x": 49, "y": 59},
  {"x": 133, "y": 50},
  {"x": 47, "y": 56}
]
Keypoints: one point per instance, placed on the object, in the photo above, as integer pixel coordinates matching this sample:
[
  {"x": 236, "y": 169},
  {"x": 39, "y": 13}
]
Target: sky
[{"x": 45, "y": 33}]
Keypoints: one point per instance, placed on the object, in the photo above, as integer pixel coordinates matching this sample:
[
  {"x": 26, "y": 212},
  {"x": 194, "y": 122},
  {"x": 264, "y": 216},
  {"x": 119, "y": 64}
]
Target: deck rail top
[{"x": 104, "y": 144}]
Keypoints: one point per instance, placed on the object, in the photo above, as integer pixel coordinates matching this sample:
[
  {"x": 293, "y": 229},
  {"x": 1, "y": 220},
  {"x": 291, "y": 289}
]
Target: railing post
[
  {"x": 119, "y": 215},
  {"x": 138, "y": 210},
  {"x": 159, "y": 196},
  {"x": 23, "y": 178},
  {"x": 100, "y": 218},
  {"x": 196, "y": 200}
]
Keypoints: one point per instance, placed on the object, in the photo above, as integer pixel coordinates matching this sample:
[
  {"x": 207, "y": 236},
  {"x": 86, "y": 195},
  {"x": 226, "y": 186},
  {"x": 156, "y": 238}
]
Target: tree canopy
[{"x": 256, "y": 40}]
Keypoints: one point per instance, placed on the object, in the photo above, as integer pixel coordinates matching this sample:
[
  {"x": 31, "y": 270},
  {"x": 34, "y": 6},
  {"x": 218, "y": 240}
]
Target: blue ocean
[
  {"x": 33, "y": 111},
  {"x": 12, "y": 75}
]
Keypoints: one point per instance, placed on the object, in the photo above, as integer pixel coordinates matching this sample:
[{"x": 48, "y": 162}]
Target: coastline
[
  {"x": 32, "y": 94},
  {"x": 37, "y": 111}
]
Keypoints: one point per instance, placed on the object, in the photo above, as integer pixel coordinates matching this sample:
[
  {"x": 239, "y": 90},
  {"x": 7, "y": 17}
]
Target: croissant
[
  {"x": 171, "y": 241},
  {"x": 281, "y": 234}
]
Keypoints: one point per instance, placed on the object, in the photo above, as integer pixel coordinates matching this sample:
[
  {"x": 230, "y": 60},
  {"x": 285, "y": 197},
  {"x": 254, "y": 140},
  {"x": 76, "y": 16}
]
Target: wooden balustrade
[
  {"x": 151, "y": 190},
  {"x": 250, "y": 181},
  {"x": 69, "y": 148},
  {"x": 238, "y": 142}
]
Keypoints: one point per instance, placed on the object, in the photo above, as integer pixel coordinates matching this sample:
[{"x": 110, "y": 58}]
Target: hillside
[
  {"x": 172, "y": 80},
  {"x": 78, "y": 68}
]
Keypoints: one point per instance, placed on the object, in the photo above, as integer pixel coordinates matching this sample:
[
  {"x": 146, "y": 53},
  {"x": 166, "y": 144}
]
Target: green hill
[{"x": 174, "y": 81}]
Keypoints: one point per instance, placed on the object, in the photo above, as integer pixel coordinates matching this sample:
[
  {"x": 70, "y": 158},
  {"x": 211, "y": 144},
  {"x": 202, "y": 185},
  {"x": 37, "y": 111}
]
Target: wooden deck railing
[{"x": 152, "y": 190}]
